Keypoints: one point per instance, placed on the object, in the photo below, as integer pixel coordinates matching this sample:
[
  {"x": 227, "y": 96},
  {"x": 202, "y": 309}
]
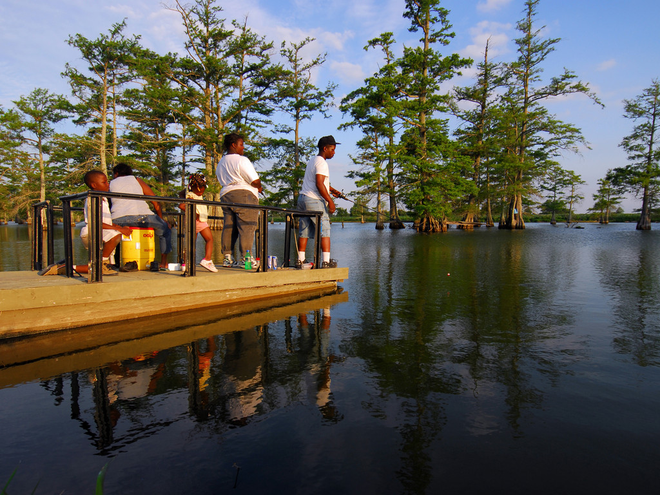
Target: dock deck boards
[{"x": 31, "y": 304}]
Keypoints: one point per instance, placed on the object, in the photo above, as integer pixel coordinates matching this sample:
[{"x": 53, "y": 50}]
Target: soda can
[
  {"x": 270, "y": 262},
  {"x": 274, "y": 262}
]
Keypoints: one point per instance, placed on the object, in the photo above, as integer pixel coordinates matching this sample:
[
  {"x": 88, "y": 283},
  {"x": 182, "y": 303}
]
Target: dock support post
[
  {"x": 37, "y": 238},
  {"x": 287, "y": 239},
  {"x": 262, "y": 251},
  {"x": 95, "y": 233},
  {"x": 317, "y": 242},
  {"x": 68, "y": 238},
  {"x": 190, "y": 239},
  {"x": 51, "y": 233}
]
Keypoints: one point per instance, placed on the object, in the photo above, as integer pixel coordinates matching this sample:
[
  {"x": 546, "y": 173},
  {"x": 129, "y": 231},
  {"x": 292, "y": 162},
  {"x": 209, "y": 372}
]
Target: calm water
[{"x": 469, "y": 362}]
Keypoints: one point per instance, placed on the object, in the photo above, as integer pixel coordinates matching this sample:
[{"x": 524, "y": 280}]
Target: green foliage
[
  {"x": 98, "y": 90},
  {"x": 299, "y": 101},
  {"x": 641, "y": 175},
  {"x": 533, "y": 136}
]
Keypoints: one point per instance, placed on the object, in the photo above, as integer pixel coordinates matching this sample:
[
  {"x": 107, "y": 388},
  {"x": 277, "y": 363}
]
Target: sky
[{"x": 613, "y": 46}]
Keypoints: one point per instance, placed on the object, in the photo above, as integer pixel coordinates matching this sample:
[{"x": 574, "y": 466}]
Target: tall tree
[
  {"x": 150, "y": 138},
  {"x": 554, "y": 183},
  {"x": 432, "y": 166},
  {"x": 641, "y": 175},
  {"x": 301, "y": 100},
  {"x": 573, "y": 195},
  {"x": 534, "y": 136},
  {"x": 605, "y": 200},
  {"x": 225, "y": 80},
  {"x": 478, "y": 136},
  {"x": 108, "y": 59},
  {"x": 37, "y": 114},
  {"x": 374, "y": 108}
]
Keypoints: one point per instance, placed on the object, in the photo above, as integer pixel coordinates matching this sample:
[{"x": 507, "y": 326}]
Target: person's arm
[
  {"x": 320, "y": 185},
  {"x": 124, "y": 230},
  {"x": 148, "y": 192},
  {"x": 335, "y": 193},
  {"x": 257, "y": 184}
]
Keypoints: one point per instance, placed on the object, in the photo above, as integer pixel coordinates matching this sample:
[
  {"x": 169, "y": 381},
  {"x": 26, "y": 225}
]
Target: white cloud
[
  {"x": 492, "y": 32},
  {"x": 123, "y": 11},
  {"x": 491, "y": 5},
  {"x": 607, "y": 64},
  {"x": 348, "y": 72}
]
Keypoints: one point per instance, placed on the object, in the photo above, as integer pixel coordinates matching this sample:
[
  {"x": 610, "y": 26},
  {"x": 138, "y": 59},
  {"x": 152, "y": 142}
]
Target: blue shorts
[{"x": 307, "y": 224}]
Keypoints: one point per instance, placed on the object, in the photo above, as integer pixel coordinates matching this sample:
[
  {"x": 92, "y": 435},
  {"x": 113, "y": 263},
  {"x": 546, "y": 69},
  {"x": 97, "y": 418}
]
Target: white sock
[
  {"x": 326, "y": 256},
  {"x": 301, "y": 256}
]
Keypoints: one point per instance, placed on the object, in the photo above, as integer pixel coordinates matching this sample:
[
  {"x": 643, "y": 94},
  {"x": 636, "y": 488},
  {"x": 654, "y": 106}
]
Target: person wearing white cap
[{"x": 315, "y": 196}]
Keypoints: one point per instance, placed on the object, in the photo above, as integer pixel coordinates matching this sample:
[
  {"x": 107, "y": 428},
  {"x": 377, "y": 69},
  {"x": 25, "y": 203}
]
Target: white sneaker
[
  {"x": 208, "y": 264},
  {"x": 227, "y": 263}
]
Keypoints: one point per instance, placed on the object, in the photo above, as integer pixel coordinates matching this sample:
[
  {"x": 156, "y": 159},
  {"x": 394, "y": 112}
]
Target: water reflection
[
  {"x": 467, "y": 362},
  {"x": 475, "y": 317},
  {"x": 228, "y": 379},
  {"x": 630, "y": 273}
]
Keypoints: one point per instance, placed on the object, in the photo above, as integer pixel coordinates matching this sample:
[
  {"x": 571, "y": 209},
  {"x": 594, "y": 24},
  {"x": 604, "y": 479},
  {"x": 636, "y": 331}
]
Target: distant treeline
[{"x": 166, "y": 114}]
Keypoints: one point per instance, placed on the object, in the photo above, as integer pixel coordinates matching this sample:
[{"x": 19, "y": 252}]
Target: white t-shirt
[
  {"x": 236, "y": 172},
  {"x": 123, "y": 207},
  {"x": 202, "y": 210},
  {"x": 105, "y": 215},
  {"x": 316, "y": 166}
]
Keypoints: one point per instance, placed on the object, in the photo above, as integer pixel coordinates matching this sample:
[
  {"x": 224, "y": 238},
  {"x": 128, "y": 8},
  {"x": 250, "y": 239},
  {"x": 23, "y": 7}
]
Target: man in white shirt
[
  {"x": 135, "y": 212},
  {"x": 315, "y": 196},
  {"x": 240, "y": 184}
]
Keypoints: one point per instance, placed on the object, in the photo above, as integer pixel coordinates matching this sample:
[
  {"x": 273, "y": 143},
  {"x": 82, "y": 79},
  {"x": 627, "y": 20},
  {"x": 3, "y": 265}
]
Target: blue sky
[{"x": 612, "y": 45}]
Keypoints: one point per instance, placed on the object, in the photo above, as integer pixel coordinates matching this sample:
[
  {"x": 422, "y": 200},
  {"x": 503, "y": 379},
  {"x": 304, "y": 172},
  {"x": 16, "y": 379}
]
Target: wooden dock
[
  {"x": 40, "y": 357},
  {"x": 31, "y": 304}
]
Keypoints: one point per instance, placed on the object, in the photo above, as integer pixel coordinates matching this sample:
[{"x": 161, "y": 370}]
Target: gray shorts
[{"x": 307, "y": 224}]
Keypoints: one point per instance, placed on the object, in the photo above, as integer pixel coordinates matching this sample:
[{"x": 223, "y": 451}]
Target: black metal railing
[{"x": 186, "y": 238}]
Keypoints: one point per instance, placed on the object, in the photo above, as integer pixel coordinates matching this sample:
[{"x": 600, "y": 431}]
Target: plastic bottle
[{"x": 248, "y": 261}]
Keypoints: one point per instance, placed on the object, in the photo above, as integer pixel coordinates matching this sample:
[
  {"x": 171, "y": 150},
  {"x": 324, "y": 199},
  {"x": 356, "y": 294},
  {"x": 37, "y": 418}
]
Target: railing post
[
  {"x": 317, "y": 243},
  {"x": 190, "y": 238},
  {"x": 37, "y": 245},
  {"x": 263, "y": 251},
  {"x": 50, "y": 233},
  {"x": 179, "y": 238},
  {"x": 68, "y": 238},
  {"x": 95, "y": 233},
  {"x": 287, "y": 239}
]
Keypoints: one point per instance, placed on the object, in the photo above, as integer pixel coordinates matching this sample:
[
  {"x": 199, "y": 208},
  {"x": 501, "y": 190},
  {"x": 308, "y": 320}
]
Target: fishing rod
[{"x": 343, "y": 196}]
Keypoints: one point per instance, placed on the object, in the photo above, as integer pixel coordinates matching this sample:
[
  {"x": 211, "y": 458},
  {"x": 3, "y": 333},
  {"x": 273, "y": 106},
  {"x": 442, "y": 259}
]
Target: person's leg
[
  {"x": 227, "y": 229},
  {"x": 306, "y": 226},
  {"x": 208, "y": 237},
  {"x": 246, "y": 221},
  {"x": 325, "y": 236},
  {"x": 164, "y": 233},
  {"x": 110, "y": 245}
]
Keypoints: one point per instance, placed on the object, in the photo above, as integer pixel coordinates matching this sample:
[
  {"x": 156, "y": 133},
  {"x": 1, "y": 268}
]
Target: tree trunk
[
  {"x": 379, "y": 217},
  {"x": 645, "y": 217},
  {"x": 514, "y": 220},
  {"x": 430, "y": 225}
]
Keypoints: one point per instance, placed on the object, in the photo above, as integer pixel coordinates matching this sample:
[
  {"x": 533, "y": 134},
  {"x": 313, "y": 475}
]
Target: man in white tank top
[{"x": 135, "y": 212}]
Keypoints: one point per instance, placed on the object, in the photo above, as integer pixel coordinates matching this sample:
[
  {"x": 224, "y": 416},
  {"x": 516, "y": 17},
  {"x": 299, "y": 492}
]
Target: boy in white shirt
[{"x": 315, "y": 196}]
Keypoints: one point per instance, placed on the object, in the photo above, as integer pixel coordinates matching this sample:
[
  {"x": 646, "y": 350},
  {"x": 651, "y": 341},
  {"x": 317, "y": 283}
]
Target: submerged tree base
[{"x": 430, "y": 225}]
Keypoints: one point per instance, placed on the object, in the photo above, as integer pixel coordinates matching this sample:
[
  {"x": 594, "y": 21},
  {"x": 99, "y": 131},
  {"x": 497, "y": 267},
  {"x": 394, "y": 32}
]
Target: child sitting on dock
[
  {"x": 96, "y": 181},
  {"x": 195, "y": 190}
]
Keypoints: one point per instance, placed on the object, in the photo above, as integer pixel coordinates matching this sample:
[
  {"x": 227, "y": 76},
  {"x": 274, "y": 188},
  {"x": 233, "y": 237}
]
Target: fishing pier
[{"x": 31, "y": 304}]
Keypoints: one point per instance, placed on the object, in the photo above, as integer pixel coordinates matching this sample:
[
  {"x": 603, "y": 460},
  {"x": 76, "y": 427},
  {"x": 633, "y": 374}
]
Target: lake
[{"x": 467, "y": 362}]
